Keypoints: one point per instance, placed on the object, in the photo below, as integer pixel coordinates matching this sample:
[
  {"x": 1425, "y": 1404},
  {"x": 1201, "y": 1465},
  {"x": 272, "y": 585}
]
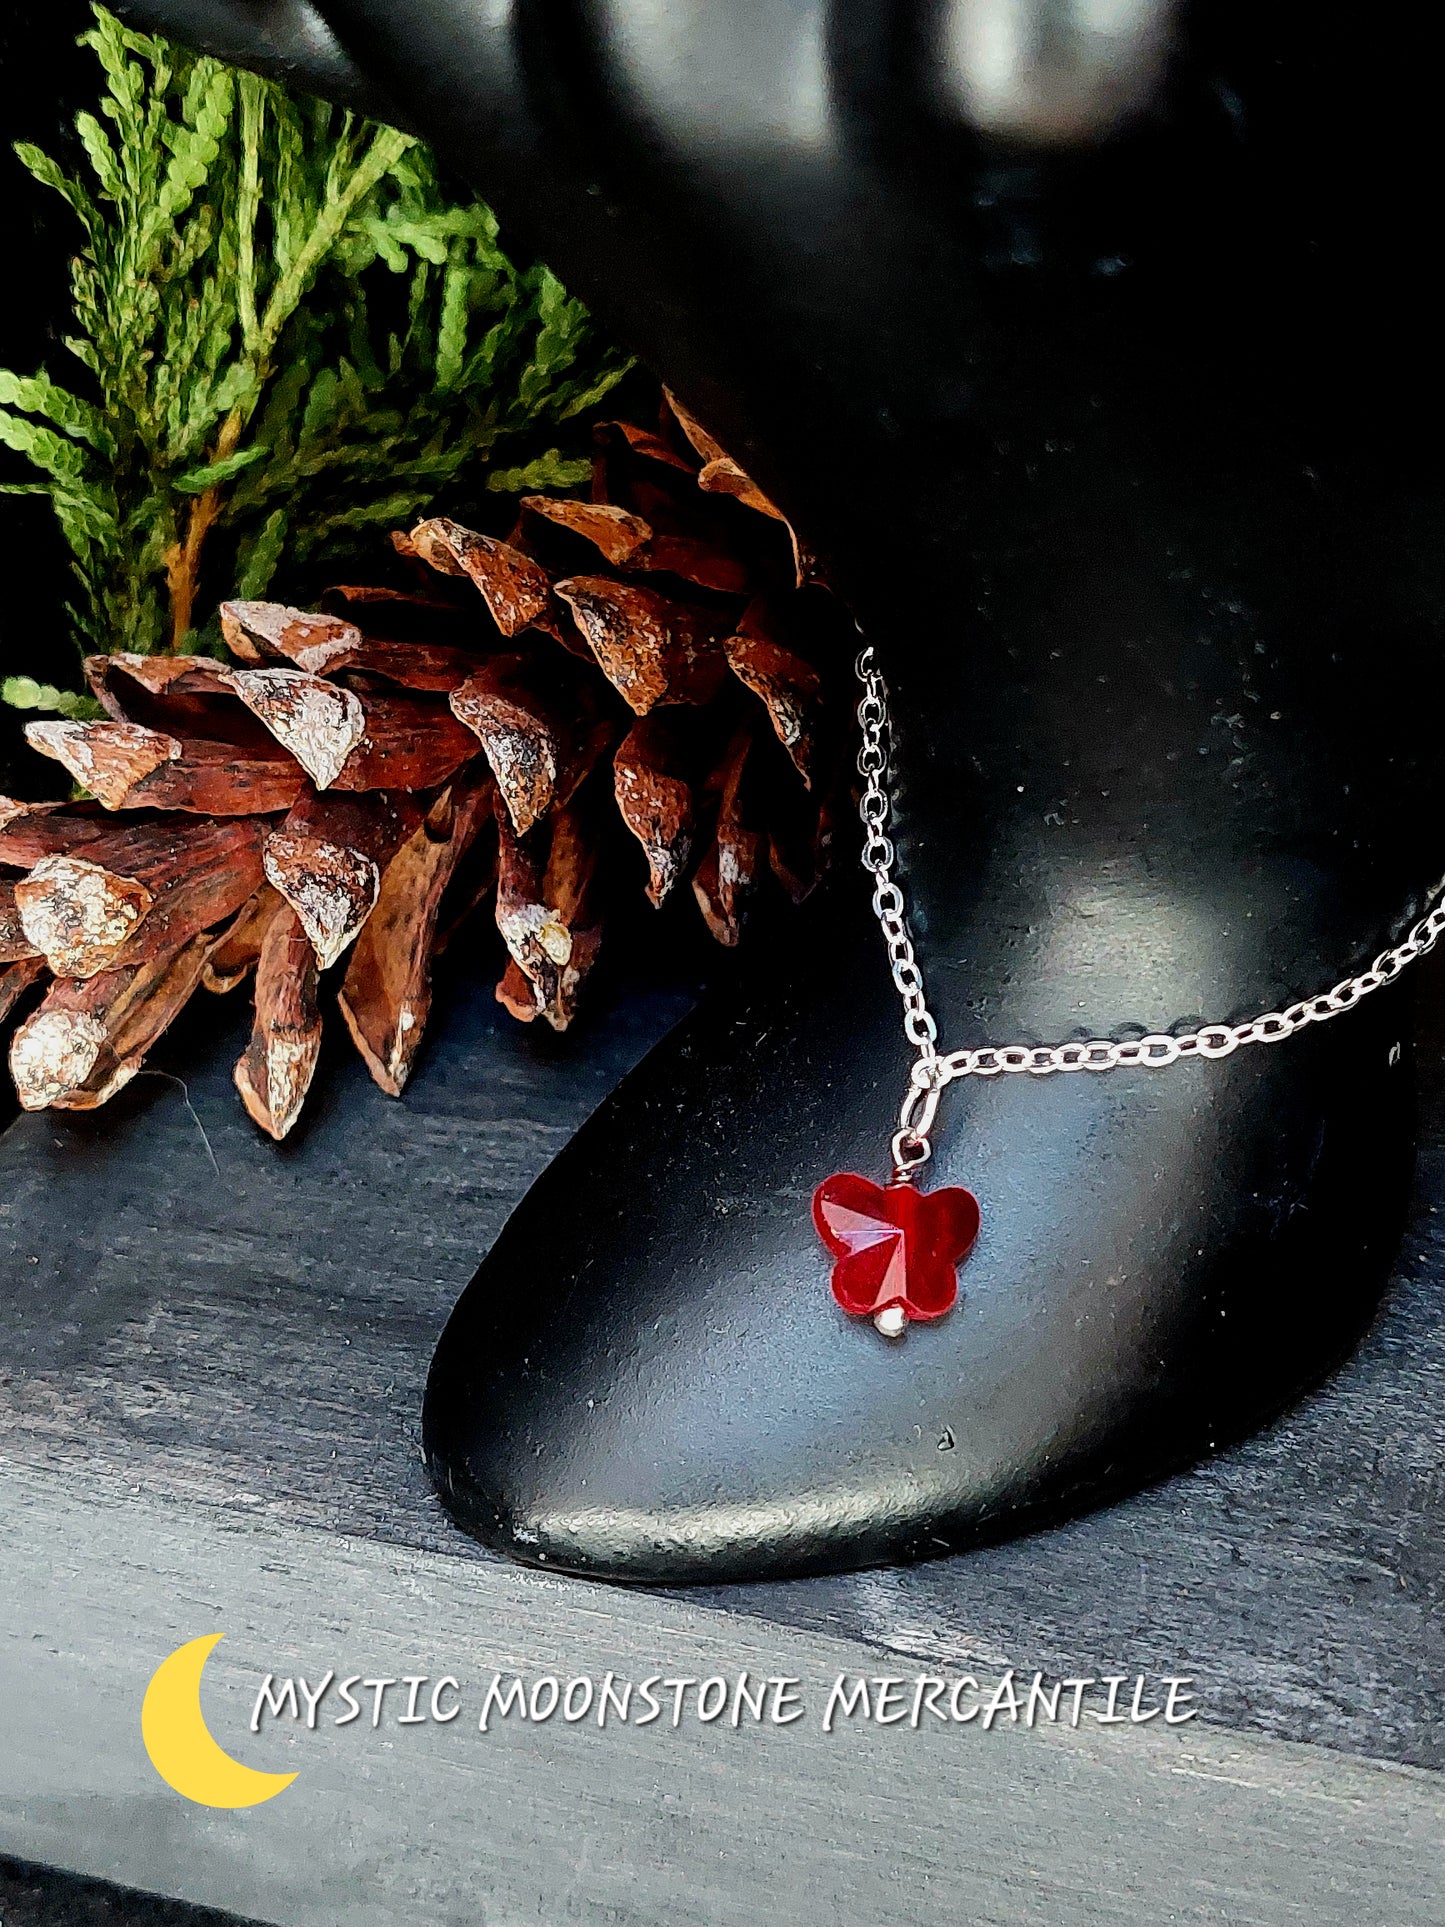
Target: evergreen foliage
[{"x": 293, "y": 337}]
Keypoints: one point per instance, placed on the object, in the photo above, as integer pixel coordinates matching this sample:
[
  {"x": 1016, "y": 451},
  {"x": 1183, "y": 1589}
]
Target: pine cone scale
[{"x": 386, "y": 995}]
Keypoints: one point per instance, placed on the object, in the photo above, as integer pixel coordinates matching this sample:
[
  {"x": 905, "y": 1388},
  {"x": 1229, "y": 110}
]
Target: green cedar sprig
[{"x": 293, "y": 337}]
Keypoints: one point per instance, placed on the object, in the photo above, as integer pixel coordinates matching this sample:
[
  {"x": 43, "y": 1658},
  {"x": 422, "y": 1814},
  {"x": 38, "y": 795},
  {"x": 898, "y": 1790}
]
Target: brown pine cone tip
[{"x": 358, "y": 779}]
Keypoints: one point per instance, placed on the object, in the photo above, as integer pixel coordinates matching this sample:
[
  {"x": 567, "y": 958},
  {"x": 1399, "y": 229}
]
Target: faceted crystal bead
[{"x": 896, "y": 1248}]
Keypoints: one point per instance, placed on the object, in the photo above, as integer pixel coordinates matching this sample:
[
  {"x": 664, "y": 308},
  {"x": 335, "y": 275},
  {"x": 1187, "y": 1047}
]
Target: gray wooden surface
[
  {"x": 633, "y": 1826},
  {"x": 211, "y": 1359}
]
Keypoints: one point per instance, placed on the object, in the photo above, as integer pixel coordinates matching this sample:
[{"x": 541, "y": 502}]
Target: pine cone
[{"x": 631, "y": 691}]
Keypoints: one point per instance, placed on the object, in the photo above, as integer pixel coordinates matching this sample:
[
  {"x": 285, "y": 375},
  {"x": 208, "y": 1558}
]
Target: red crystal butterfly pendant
[{"x": 896, "y": 1249}]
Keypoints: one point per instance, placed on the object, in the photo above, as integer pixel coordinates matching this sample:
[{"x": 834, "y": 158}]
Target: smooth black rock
[{"x": 1102, "y": 376}]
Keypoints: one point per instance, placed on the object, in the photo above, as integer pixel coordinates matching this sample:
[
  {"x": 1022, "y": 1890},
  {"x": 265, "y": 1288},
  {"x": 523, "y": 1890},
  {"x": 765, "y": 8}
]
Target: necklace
[{"x": 897, "y": 1249}]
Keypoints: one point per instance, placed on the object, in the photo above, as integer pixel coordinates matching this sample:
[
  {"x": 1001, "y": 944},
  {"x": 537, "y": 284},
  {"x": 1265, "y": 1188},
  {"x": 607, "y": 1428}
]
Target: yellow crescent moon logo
[{"x": 179, "y": 1742}]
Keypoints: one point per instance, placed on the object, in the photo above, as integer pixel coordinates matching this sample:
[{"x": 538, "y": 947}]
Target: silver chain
[{"x": 934, "y": 1070}]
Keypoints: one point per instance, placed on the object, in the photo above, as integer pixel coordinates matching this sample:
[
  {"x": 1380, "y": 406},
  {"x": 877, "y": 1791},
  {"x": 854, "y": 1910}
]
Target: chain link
[
  {"x": 934, "y": 1070},
  {"x": 874, "y": 761}
]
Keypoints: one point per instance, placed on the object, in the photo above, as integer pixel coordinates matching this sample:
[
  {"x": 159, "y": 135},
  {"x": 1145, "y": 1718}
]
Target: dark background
[{"x": 43, "y": 78}]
